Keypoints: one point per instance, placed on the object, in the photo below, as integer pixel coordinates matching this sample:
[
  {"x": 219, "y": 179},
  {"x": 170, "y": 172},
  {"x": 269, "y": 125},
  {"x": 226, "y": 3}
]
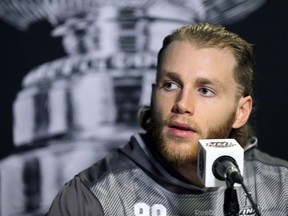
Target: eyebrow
[
  {"x": 171, "y": 75},
  {"x": 199, "y": 81},
  {"x": 206, "y": 81}
]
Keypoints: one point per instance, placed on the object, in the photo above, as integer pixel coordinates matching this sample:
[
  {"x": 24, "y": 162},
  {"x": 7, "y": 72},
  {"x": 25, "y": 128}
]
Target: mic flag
[{"x": 209, "y": 150}]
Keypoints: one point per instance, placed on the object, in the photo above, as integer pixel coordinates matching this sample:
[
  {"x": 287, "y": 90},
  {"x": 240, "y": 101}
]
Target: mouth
[
  {"x": 179, "y": 129},
  {"x": 181, "y": 126}
]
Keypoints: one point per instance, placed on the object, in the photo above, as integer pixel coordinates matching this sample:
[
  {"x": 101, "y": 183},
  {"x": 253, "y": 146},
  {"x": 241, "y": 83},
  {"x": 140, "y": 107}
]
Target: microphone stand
[
  {"x": 225, "y": 168},
  {"x": 231, "y": 205}
]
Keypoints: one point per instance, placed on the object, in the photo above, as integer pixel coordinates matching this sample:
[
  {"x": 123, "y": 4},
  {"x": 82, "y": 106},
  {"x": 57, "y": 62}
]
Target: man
[{"x": 203, "y": 90}]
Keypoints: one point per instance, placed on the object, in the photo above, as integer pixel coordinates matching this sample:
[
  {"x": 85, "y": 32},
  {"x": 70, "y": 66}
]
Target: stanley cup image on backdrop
[{"x": 73, "y": 110}]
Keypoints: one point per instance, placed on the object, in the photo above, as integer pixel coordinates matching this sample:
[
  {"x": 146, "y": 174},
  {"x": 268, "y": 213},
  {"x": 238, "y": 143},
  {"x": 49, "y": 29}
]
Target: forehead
[{"x": 189, "y": 60}]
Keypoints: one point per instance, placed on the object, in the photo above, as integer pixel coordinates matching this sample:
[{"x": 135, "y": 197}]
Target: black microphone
[{"x": 226, "y": 168}]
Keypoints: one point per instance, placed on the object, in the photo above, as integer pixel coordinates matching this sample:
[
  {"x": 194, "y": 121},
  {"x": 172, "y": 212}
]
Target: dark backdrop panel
[{"x": 266, "y": 29}]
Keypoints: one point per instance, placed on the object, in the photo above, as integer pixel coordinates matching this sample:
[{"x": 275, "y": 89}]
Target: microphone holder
[{"x": 231, "y": 205}]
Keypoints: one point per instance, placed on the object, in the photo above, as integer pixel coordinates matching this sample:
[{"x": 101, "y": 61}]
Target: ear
[
  {"x": 243, "y": 111},
  {"x": 153, "y": 87},
  {"x": 152, "y": 93}
]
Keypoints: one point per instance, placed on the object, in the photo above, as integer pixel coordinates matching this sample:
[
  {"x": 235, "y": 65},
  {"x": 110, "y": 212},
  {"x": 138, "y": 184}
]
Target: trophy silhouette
[{"x": 74, "y": 110}]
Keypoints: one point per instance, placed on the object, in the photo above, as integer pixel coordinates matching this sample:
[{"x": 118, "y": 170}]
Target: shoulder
[
  {"x": 271, "y": 171},
  {"x": 76, "y": 195},
  {"x": 255, "y": 154},
  {"x": 112, "y": 163},
  {"x": 75, "y": 199}
]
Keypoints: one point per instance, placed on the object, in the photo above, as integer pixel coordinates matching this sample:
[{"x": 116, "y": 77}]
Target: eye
[
  {"x": 206, "y": 92},
  {"x": 168, "y": 85}
]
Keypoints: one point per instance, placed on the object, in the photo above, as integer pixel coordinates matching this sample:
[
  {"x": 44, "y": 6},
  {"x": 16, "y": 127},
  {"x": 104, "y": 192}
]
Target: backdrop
[{"x": 73, "y": 76}]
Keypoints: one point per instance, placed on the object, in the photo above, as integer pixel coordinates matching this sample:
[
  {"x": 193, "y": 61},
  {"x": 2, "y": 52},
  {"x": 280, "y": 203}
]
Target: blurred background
[{"x": 74, "y": 73}]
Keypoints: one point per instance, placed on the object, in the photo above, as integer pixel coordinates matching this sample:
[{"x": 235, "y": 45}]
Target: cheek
[
  {"x": 214, "y": 115},
  {"x": 218, "y": 107},
  {"x": 159, "y": 111},
  {"x": 163, "y": 104}
]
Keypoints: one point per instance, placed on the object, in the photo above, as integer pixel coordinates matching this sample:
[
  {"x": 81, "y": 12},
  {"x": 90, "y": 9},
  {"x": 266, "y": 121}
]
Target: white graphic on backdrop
[{"x": 74, "y": 110}]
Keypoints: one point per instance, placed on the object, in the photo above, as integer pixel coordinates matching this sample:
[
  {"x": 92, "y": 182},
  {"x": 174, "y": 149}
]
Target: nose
[{"x": 184, "y": 103}]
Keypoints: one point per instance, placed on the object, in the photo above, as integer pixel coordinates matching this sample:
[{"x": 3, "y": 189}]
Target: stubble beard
[{"x": 177, "y": 159}]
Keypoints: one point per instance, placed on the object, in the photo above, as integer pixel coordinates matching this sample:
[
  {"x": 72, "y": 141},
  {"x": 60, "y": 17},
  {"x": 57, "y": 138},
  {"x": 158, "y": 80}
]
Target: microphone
[
  {"x": 220, "y": 160},
  {"x": 225, "y": 167}
]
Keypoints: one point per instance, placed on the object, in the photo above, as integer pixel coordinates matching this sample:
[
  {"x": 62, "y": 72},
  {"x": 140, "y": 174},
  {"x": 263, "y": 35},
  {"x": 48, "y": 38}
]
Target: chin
[{"x": 182, "y": 149}]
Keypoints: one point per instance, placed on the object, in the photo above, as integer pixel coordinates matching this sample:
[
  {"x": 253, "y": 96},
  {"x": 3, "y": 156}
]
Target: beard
[{"x": 179, "y": 157}]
